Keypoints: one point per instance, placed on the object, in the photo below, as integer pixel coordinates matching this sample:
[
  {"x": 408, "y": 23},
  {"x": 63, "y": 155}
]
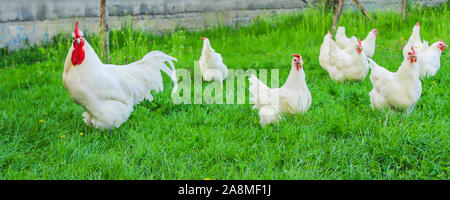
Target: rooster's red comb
[
  {"x": 296, "y": 55},
  {"x": 77, "y": 31}
]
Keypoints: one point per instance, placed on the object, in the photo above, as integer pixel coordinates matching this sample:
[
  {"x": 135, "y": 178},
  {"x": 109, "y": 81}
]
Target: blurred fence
[{"x": 38, "y": 20}]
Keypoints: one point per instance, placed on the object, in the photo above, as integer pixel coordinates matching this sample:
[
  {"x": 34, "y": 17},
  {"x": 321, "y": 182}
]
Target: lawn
[{"x": 42, "y": 135}]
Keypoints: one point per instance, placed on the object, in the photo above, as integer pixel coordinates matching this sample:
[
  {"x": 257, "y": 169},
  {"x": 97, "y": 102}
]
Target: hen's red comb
[
  {"x": 77, "y": 30},
  {"x": 204, "y": 38},
  {"x": 359, "y": 42},
  {"x": 442, "y": 42},
  {"x": 417, "y": 24},
  {"x": 413, "y": 52},
  {"x": 296, "y": 55}
]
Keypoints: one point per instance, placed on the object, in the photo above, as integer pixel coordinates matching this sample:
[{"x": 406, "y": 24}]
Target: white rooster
[
  {"x": 350, "y": 64},
  {"x": 401, "y": 89},
  {"x": 109, "y": 92},
  {"x": 368, "y": 44},
  {"x": 211, "y": 63},
  {"x": 428, "y": 57},
  {"x": 293, "y": 97}
]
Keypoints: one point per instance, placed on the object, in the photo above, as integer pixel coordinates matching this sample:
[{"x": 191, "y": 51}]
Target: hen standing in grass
[
  {"x": 401, "y": 89},
  {"x": 293, "y": 97},
  {"x": 348, "y": 64},
  {"x": 324, "y": 55},
  {"x": 211, "y": 63},
  {"x": 368, "y": 44},
  {"x": 109, "y": 92},
  {"x": 428, "y": 57}
]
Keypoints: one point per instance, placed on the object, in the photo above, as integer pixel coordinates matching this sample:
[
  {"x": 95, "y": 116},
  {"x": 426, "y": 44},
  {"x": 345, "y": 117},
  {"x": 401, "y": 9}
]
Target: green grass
[{"x": 339, "y": 138}]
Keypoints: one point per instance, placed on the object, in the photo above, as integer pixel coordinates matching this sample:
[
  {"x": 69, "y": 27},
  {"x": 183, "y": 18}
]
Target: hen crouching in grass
[{"x": 108, "y": 92}]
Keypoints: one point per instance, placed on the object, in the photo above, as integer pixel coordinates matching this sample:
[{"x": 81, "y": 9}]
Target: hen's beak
[
  {"x": 298, "y": 65},
  {"x": 78, "y": 40}
]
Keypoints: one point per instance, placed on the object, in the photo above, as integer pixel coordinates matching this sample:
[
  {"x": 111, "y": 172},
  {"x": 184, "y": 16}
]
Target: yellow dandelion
[
  {"x": 63, "y": 136},
  {"x": 402, "y": 38},
  {"x": 42, "y": 121},
  {"x": 81, "y": 133},
  {"x": 207, "y": 179}
]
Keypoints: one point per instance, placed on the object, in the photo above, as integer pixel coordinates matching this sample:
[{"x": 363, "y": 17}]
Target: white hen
[
  {"x": 109, "y": 92},
  {"x": 293, "y": 97},
  {"x": 348, "y": 64},
  {"x": 428, "y": 57},
  {"x": 368, "y": 44},
  {"x": 324, "y": 55},
  {"x": 211, "y": 63},
  {"x": 341, "y": 39},
  {"x": 401, "y": 89}
]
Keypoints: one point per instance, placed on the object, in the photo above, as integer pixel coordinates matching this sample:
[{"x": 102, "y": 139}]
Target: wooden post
[
  {"x": 104, "y": 32},
  {"x": 404, "y": 10},
  {"x": 365, "y": 13},
  {"x": 309, "y": 4},
  {"x": 338, "y": 4}
]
